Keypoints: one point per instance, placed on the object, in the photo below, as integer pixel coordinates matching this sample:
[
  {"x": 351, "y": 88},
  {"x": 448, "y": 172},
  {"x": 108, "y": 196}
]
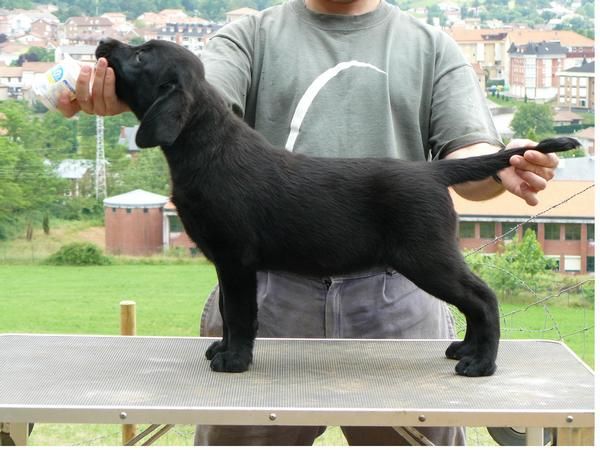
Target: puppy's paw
[
  {"x": 230, "y": 362},
  {"x": 215, "y": 347},
  {"x": 475, "y": 367},
  {"x": 459, "y": 349}
]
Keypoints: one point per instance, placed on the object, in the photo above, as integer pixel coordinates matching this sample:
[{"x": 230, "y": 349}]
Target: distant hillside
[
  {"x": 578, "y": 17},
  {"x": 210, "y": 9}
]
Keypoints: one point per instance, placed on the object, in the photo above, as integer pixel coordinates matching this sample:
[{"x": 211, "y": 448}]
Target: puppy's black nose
[
  {"x": 105, "y": 46},
  {"x": 105, "y": 41}
]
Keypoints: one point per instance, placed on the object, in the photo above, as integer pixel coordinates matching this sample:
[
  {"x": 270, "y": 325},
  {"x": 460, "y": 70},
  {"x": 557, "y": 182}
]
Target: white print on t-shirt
[{"x": 313, "y": 91}]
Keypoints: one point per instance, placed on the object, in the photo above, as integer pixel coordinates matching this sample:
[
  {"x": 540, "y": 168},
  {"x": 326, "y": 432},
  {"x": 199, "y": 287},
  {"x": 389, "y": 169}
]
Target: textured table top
[{"x": 113, "y": 379}]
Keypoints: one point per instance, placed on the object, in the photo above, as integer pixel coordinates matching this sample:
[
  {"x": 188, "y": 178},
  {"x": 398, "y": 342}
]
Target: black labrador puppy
[{"x": 250, "y": 206}]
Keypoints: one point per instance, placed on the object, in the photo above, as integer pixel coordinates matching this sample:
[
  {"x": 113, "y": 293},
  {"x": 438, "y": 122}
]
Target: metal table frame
[{"x": 574, "y": 423}]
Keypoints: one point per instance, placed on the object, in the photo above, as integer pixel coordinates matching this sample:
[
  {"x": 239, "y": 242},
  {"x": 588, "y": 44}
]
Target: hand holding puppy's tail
[{"x": 456, "y": 171}]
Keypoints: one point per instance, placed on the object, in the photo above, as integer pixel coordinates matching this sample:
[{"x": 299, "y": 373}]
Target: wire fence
[
  {"x": 562, "y": 311},
  {"x": 555, "y": 313}
]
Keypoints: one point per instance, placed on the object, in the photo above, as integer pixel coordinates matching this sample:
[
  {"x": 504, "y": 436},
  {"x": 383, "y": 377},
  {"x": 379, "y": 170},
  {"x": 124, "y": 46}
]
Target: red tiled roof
[
  {"x": 586, "y": 133},
  {"x": 508, "y": 205},
  {"x": 565, "y": 37}
]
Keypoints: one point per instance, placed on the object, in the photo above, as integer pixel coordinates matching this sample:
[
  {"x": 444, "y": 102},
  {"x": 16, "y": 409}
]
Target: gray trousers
[{"x": 376, "y": 304}]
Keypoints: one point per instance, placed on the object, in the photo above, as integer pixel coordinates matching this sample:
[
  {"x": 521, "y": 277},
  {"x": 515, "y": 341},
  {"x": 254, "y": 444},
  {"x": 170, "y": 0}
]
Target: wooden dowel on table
[{"x": 128, "y": 328}]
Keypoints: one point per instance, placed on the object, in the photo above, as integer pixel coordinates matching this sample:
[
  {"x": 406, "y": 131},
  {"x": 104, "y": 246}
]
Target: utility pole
[{"x": 100, "y": 159}]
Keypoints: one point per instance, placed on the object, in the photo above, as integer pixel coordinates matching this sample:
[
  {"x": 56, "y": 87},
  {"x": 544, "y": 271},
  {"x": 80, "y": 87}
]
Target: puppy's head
[{"x": 155, "y": 80}]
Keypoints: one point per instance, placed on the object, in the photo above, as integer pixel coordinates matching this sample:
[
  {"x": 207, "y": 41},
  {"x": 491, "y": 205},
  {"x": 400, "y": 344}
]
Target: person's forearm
[{"x": 477, "y": 190}]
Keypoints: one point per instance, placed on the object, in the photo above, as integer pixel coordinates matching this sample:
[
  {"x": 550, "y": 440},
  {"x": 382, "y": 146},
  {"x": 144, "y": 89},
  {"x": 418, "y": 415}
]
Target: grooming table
[{"x": 399, "y": 383}]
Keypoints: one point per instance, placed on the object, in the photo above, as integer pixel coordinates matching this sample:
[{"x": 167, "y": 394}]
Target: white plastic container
[{"x": 49, "y": 86}]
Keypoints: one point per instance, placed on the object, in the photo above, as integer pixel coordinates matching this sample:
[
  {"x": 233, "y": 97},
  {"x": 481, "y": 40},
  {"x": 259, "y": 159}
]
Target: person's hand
[
  {"x": 101, "y": 99},
  {"x": 528, "y": 174}
]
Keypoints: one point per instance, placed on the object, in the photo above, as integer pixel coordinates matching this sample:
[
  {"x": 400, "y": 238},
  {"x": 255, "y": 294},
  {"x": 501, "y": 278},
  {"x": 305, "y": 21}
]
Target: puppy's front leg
[
  {"x": 239, "y": 312},
  {"x": 219, "y": 346}
]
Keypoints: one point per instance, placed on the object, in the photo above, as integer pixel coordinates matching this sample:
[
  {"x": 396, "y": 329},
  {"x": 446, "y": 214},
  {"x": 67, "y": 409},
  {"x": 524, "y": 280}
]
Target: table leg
[
  {"x": 575, "y": 436},
  {"x": 19, "y": 432},
  {"x": 534, "y": 436}
]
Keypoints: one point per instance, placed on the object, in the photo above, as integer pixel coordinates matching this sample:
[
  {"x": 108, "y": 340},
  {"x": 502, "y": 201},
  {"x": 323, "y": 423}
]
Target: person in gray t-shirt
[{"x": 351, "y": 78}]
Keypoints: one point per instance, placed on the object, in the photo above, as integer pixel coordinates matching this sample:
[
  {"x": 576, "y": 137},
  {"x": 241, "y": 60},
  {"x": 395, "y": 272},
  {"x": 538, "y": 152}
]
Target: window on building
[
  {"x": 590, "y": 264},
  {"x": 590, "y": 231},
  {"x": 552, "y": 231},
  {"x": 145, "y": 210},
  {"x": 487, "y": 230},
  {"x": 114, "y": 210},
  {"x": 509, "y": 231},
  {"x": 572, "y": 232},
  {"x": 128, "y": 210},
  {"x": 553, "y": 263},
  {"x": 572, "y": 263},
  {"x": 175, "y": 225},
  {"x": 466, "y": 230}
]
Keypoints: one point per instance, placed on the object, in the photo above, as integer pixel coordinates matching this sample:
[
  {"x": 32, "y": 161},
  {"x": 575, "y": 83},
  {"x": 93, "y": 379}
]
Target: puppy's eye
[{"x": 138, "y": 56}]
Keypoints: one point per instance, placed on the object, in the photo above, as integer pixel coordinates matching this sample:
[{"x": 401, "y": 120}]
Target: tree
[
  {"x": 149, "y": 171},
  {"x": 521, "y": 266},
  {"x": 138, "y": 40},
  {"x": 579, "y": 24},
  {"x": 548, "y": 15},
  {"x": 533, "y": 121},
  {"x": 27, "y": 186},
  {"x": 50, "y": 134},
  {"x": 59, "y": 139},
  {"x": 19, "y": 123},
  {"x": 435, "y": 11},
  {"x": 214, "y": 10},
  {"x": 36, "y": 54}
]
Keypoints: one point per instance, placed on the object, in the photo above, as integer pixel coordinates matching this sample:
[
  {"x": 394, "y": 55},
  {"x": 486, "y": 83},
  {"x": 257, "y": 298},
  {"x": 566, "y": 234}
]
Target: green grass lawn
[
  {"x": 572, "y": 325},
  {"x": 85, "y": 300},
  {"x": 169, "y": 298},
  {"x": 48, "y": 299}
]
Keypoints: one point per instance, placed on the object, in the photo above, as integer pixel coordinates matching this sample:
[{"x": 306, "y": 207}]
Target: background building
[
  {"x": 533, "y": 69},
  {"x": 564, "y": 231},
  {"x": 577, "y": 87},
  {"x": 174, "y": 236},
  {"x": 134, "y": 223}
]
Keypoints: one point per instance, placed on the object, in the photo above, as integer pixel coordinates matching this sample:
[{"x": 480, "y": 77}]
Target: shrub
[
  {"x": 78, "y": 254},
  {"x": 588, "y": 291},
  {"x": 522, "y": 266}
]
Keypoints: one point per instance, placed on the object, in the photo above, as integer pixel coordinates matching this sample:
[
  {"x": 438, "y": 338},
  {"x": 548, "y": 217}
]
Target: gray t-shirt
[{"x": 380, "y": 84}]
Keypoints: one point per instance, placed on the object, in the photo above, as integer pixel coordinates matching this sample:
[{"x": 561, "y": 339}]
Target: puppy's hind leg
[
  {"x": 477, "y": 352},
  {"x": 446, "y": 276},
  {"x": 239, "y": 312}
]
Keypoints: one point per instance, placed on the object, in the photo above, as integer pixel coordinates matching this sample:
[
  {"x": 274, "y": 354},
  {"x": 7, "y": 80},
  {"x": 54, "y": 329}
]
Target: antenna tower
[{"x": 100, "y": 159}]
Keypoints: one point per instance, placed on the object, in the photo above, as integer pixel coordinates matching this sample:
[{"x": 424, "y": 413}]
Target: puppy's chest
[{"x": 201, "y": 220}]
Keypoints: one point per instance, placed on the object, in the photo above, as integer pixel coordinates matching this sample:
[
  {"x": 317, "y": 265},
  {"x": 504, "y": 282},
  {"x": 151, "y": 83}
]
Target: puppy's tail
[{"x": 455, "y": 171}]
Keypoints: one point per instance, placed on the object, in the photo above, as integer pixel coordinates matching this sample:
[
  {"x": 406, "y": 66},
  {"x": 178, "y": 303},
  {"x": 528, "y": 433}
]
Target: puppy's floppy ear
[{"x": 164, "y": 120}]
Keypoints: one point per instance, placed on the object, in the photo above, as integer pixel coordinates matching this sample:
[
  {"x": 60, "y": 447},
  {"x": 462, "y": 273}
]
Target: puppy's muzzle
[{"x": 106, "y": 47}]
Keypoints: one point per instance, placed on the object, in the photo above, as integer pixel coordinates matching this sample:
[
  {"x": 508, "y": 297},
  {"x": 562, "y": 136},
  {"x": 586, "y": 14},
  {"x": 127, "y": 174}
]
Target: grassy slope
[{"x": 20, "y": 250}]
